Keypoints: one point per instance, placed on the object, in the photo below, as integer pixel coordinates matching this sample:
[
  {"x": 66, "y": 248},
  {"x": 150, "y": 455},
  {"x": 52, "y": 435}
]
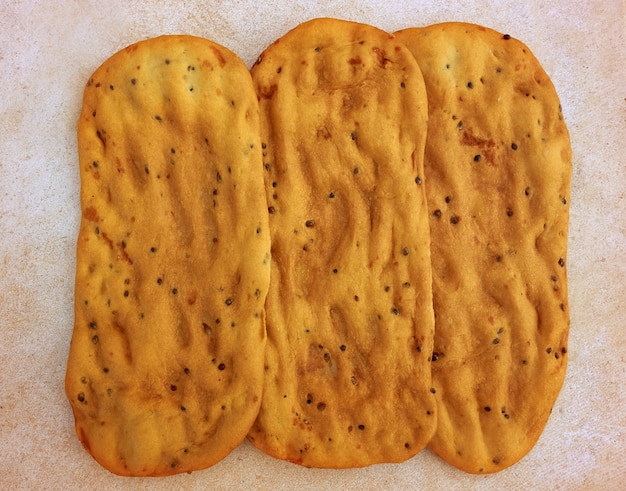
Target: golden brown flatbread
[
  {"x": 349, "y": 312},
  {"x": 497, "y": 176},
  {"x": 165, "y": 369}
]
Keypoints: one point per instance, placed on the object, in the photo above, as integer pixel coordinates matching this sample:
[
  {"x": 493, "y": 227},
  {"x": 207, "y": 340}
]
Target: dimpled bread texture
[
  {"x": 349, "y": 312},
  {"x": 497, "y": 176},
  {"x": 165, "y": 369}
]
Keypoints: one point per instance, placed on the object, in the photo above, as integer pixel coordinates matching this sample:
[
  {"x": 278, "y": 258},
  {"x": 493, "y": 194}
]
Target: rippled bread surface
[
  {"x": 349, "y": 312},
  {"x": 165, "y": 369},
  {"x": 497, "y": 177}
]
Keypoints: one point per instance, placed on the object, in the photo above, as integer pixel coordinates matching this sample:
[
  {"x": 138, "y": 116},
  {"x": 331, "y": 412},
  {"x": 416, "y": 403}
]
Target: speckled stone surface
[{"x": 46, "y": 55}]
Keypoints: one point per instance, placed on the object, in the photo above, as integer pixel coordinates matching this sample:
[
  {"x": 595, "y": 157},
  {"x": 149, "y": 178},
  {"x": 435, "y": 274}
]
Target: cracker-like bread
[
  {"x": 349, "y": 312},
  {"x": 497, "y": 176},
  {"x": 165, "y": 369}
]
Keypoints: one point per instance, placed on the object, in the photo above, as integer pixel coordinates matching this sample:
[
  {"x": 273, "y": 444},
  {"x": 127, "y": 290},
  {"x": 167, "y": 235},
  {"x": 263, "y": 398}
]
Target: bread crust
[
  {"x": 497, "y": 177},
  {"x": 165, "y": 368},
  {"x": 349, "y": 313}
]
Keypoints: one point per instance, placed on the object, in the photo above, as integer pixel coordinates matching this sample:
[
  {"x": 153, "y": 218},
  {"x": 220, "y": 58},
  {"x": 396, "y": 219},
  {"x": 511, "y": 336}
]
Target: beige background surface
[{"x": 46, "y": 55}]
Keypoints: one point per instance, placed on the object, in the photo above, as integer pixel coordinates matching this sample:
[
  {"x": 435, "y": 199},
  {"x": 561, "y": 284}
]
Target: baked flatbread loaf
[
  {"x": 497, "y": 177},
  {"x": 349, "y": 312},
  {"x": 165, "y": 369}
]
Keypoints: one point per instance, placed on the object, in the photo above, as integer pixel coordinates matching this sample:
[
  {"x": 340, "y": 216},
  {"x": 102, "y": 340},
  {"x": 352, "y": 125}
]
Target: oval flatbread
[
  {"x": 349, "y": 312},
  {"x": 165, "y": 369},
  {"x": 497, "y": 176}
]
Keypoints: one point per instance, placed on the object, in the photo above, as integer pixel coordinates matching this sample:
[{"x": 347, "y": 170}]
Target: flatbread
[
  {"x": 497, "y": 177},
  {"x": 165, "y": 369},
  {"x": 349, "y": 312}
]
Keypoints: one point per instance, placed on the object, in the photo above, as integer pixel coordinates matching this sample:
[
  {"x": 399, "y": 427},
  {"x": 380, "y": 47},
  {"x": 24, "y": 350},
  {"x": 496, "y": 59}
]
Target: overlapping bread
[
  {"x": 497, "y": 177},
  {"x": 349, "y": 311},
  {"x": 384, "y": 193},
  {"x": 165, "y": 369}
]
